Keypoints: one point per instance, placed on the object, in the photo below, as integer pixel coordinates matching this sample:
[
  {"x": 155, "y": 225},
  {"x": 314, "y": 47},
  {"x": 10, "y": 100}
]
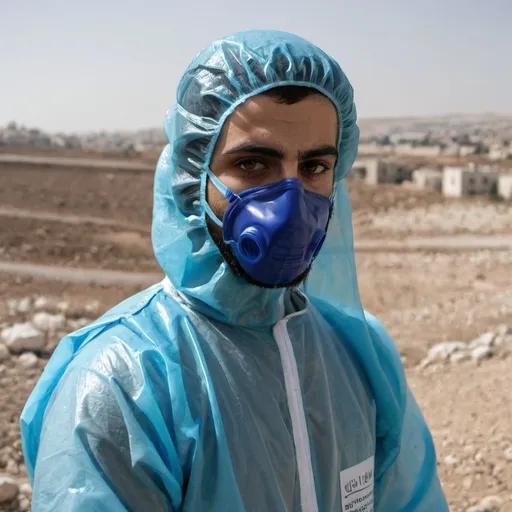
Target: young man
[{"x": 250, "y": 379}]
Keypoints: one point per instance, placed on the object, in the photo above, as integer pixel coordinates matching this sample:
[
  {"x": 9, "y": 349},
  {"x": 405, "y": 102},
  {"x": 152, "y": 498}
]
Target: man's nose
[{"x": 290, "y": 169}]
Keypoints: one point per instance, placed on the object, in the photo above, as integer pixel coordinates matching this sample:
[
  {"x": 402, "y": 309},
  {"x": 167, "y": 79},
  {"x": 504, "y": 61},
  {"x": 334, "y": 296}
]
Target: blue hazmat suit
[{"x": 206, "y": 393}]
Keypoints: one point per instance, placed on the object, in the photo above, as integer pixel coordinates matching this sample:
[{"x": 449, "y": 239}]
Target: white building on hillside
[
  {"x": 427, "y": 177},
  {"x": 375, "y": 171},
  {"x": 500, "y": 152},
  {"x": 505, "y": 186},
  {"x": 451, "y": 150},
  {"x": 358, "y": 171},
  {"x": 371, "y": 148},
  {"x": 408, "y": 149},
  {"x": 467, "y": 181},
  {"x": 467, "y": 150}
]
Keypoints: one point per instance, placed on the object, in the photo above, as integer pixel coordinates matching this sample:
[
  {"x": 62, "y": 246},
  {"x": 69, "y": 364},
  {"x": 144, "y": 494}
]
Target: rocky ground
[
  {"x": 30, "y": 328},
  {"x": 449, "y": 311},
  {"x": 481, "y": 217}
]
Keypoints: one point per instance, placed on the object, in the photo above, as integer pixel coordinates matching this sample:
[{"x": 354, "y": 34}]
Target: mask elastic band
[{"x": 225, "y": 191}]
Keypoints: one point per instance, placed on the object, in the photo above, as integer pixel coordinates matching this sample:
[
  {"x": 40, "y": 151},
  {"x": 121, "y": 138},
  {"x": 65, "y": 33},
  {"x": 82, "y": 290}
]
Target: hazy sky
[{"x": 114, "y": 64}]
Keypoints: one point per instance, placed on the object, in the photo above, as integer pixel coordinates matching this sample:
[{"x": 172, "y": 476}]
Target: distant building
[
  {"x": 400, "y": 172},
  {"x": 358, "y": 171},
  {"x": 427, "y": 177},
  {"x": 428, "y": 151},
  {"x": 424, "y": 151},
  {"x": 500, "y": 152},
  {"x": 505, "y": 186},
  {"x": 375, "y": 171},
  {"x": 467, "y": 181},
  {"x": 371, "y": 170},
  {"x": 371, "y": 148},
  {"x": 416, "y": 137},
  {"x": 451, "y": 150},
  {"x": 467, "y": 150},
  {"x": 404, "y": 148}
]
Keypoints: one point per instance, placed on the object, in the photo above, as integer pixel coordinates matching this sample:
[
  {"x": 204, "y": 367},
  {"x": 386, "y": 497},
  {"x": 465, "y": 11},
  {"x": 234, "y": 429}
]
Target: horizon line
[{"x": 409, "y": 117}]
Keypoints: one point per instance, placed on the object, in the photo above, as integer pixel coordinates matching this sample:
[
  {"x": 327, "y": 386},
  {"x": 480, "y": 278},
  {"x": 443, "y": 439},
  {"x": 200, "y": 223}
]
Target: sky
[{"x": 81, "y": 65}]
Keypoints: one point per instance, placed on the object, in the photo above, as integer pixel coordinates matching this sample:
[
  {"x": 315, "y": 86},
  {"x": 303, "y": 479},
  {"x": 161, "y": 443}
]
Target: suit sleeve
[
  {"x": 411, "y": 483},
  {"x": 99, "y": 450}
]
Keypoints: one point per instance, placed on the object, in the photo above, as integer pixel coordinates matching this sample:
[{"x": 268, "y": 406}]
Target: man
[{"x": 250, "y": 379}]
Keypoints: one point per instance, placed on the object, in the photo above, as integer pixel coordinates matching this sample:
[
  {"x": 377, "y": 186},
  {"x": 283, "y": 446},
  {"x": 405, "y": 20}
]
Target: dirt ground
[{"x": 92, "y": 219}]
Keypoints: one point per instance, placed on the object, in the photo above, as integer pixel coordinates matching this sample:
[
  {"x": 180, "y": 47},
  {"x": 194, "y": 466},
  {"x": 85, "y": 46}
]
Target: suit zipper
[{"x": 308, "y": 497}]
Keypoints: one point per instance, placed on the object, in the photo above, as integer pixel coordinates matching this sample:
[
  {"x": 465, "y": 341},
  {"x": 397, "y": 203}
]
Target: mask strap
[
  {"x": 333, "y": 194},
  {"x": 218, "y": 184},
  {"x": 222, "y": 189}
]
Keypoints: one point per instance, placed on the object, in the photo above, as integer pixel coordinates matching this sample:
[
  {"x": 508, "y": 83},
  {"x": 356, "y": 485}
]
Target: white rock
[
  {"x": 488, "y": 504},
  {"x": 503, "y": 330},
  {"x": 480, "y": 353},
  {"x": 476, "y": 508},
  {"x": 78, "y": 324},
  {"x": 21, "y": 337},
  {"x": 450, "y": 460},
  {"x": 28, "y": 360},
  {"x": 62, "y": 306},
  {"x": 4, "y": 352},
  {"x": 12, "y": 467},
  {"x": 24, "y": 305},
  {"x": 442, "y": 351},
  {"x": 47, "y": 322},
  {"x": 19, "y": 305},
  {"x": 457, "y": 357},
  {"x": 485, "y": 340},
  {"x": 24, "y": 504},
  {"x": 93, "y": 307},
  {"x": 41, "y": 303},
  {"x": 26, "y": 489},
  {"x": 8, "y": 489},
  {"x": 445, "y": 349},
  {"x": 508, "y": 453},
  {"x": 12, "y": 305}
]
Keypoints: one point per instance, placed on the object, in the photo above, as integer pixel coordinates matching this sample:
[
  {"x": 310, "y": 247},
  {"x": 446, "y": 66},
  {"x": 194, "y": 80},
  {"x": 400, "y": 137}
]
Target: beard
[{"x": 231, "y": 259}]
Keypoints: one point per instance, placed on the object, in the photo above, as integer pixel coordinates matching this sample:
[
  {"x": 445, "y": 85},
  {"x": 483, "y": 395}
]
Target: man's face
[{"x": 265, "y": 141}]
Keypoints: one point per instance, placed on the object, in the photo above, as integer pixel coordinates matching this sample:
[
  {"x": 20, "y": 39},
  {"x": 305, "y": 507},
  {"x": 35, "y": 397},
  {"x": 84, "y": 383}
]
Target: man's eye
[
  {"x": 315, "y": 168},
  {"x": 251, "y": 165}
]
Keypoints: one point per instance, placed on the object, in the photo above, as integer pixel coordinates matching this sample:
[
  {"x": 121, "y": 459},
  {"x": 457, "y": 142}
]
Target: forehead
[{"x": 312, "y": 121}]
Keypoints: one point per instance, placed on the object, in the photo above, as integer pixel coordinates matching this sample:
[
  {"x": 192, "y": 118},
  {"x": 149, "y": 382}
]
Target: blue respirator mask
[{"x": 275, "y": 230}]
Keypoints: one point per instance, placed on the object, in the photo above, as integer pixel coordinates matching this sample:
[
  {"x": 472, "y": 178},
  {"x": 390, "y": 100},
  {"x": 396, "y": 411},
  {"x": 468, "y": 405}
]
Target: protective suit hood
[{"x": 220, "y": 78}]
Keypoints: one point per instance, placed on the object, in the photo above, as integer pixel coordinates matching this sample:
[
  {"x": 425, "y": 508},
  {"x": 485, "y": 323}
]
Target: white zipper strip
[{"x": 308, "y": 499}]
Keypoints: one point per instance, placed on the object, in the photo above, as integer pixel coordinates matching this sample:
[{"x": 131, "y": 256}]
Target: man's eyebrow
[
  {"x": 326, "y": 150},
  {"x": 254, "y": 149}
]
